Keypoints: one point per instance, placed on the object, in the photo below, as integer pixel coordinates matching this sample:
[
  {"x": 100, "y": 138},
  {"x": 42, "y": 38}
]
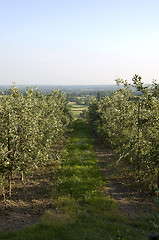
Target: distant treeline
[
  {"x": 74, "y": 93},
  {"x": 79, "y": 94}
]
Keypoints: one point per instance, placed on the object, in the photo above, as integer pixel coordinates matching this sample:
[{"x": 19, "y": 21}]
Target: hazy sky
[{"x": 78, "y": 41}]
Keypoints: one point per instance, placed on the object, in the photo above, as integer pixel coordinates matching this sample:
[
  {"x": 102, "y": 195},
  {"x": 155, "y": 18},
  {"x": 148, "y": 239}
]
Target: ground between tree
[
  {"x": 31, "y": 198},
  {"x": 132, "y": 200}
]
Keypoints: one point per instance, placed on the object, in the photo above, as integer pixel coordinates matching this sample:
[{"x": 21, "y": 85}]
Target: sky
[{"x": 91, "y": 42}]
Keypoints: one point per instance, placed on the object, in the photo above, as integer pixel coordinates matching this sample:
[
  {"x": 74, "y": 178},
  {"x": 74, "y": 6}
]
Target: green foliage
[
  {"x": 30, "y": 126},
  {"x": 129, "y": 120}
]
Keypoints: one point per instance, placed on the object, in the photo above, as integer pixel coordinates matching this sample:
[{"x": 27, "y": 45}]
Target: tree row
[
  {"x": 129, "y": 121},
  {"x": 31, "y": 125}
]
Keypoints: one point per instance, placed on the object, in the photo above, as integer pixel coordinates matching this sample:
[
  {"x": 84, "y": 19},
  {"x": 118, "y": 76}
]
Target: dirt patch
[
  {"x": 131, "y": 201},
  {"x": 30, "y": 199}
]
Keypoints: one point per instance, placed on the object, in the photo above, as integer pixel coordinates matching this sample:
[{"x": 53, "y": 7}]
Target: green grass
[{"x": 81, "y": 211}]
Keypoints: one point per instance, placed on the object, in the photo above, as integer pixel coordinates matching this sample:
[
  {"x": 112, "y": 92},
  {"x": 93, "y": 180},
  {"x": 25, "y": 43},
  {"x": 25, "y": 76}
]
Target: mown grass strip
[{"x": 81, "y": 211}]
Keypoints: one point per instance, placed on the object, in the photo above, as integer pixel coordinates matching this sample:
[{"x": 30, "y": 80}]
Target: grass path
[{"x": 81, "y": 211}]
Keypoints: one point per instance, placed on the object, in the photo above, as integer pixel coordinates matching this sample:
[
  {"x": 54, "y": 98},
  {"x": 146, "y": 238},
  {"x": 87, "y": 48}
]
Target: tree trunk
[
  {"x": 9, "y": 156},
  {"x": 10, "y": 185},
  {"x": 158, "y": 179},
  {"x": 139, "y": 135},
  {"x": 22, "y": 177}
]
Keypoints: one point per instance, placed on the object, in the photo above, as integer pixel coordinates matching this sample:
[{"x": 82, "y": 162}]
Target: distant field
[{"x": 77, "y": 109}]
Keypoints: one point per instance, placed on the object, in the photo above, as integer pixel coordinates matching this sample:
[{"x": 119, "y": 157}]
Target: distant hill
[{"x": 65, "y": 88}]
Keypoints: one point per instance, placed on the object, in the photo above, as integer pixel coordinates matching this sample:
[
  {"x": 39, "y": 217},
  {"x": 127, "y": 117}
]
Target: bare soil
[
  {"x": 30, "y": 199},
  {"x": 132, "y": 200}
]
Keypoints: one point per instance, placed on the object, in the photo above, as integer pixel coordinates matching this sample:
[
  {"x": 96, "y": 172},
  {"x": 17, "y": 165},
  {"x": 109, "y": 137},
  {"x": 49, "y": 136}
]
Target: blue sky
[{"x": 78, "y": 42}]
